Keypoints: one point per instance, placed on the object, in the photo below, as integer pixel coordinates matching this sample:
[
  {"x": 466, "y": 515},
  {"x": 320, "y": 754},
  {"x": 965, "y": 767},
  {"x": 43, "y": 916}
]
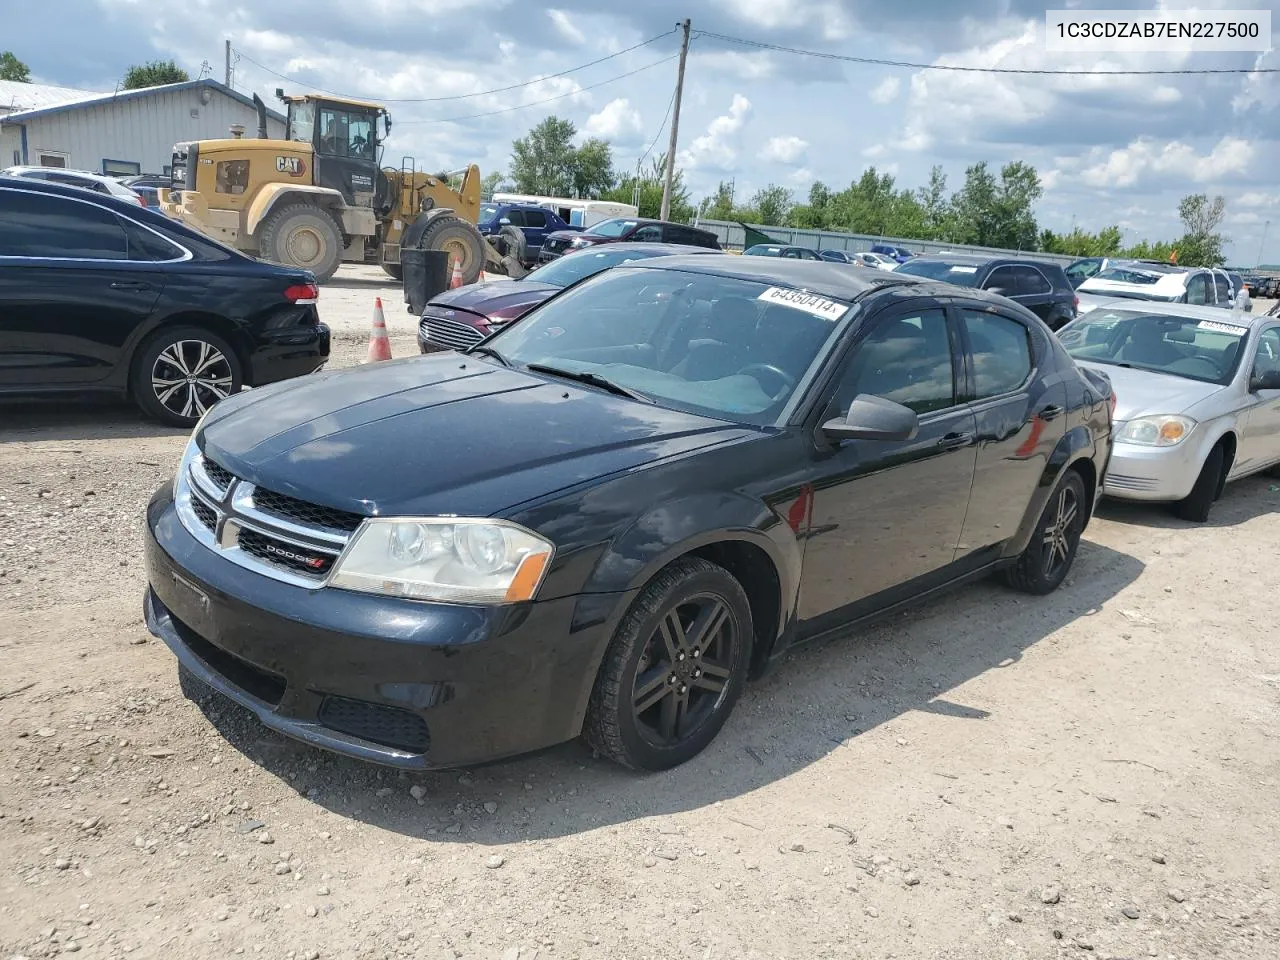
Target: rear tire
[
  {"x": 181, "y": 372},
  {"x": 459, "y": 239},
  {"x": 304, "y": 236},
  {"x": 1196, "y": 505},
  {"x": 1047, "y": 560},
  {"x": 638, "y": 715},
  {"x": 394, "y": 271}
]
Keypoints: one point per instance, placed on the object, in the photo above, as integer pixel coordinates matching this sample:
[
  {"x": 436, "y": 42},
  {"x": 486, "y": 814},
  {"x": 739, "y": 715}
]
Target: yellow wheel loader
[{"x": 320, "y": 197}]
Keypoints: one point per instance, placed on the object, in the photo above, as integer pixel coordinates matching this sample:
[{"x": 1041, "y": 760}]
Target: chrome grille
[
  {"x": 273, "y": 534},
  {"x": 453, "y": 334}
]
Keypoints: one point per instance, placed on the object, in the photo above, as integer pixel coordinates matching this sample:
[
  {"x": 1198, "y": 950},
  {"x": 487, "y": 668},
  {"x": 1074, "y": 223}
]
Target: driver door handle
[
  {"x": 953, "y": 441},
  {"x": 1049, "y": 412}
]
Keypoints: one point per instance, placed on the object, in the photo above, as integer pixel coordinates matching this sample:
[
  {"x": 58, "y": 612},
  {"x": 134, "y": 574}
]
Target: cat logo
[{"x": 293, "y": 166}]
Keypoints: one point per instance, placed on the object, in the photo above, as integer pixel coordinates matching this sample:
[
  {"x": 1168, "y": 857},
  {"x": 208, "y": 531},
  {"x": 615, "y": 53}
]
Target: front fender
[
  {"x": 273, "y": 195},
  {"x": 678, "y": 527}
]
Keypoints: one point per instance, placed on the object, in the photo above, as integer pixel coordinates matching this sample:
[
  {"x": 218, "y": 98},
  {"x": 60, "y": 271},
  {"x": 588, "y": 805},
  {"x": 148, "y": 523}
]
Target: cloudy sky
[{"x": 1108, "y": 149}]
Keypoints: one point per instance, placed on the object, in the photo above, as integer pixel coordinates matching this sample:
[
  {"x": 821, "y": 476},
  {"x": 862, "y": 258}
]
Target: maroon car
[
  {"x": 459, "y": 319},
  {"x": 625, "y": 230}
]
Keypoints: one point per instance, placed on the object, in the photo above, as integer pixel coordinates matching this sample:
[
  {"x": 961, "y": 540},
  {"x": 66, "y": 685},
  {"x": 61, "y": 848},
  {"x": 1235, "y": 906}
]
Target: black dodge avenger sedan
[{"x": 604, "y": 518}]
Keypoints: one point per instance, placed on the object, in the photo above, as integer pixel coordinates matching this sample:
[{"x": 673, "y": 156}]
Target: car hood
[
  {"x": 441, "y": 434},
  {"x": 1141, "y": 393},
  {"x": 498, "y": 296}
]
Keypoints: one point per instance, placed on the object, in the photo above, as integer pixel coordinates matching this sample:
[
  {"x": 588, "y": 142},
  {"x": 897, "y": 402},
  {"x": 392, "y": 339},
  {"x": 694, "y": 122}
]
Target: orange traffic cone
[
  {"x": 456, "y": 280},
  {"x": 379, "y": 345}
]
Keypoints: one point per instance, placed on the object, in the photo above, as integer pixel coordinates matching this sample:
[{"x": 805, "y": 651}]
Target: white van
[{"x": 576, "y": 213}]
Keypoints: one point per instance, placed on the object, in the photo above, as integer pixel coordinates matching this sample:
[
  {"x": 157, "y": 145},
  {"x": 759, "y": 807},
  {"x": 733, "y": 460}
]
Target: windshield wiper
[
  {"x": 592, "y": 379},
  {"x": 490, "y": 352}
]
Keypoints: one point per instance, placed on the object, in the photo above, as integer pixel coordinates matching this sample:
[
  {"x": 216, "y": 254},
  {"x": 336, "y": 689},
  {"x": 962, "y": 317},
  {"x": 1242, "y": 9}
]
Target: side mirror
[
  {"x": 505, "y": 221},
  {"x": 1265, "y": 381},
  {"x": 1003, "y": 291},
  {"x": 873, "y": 418}
]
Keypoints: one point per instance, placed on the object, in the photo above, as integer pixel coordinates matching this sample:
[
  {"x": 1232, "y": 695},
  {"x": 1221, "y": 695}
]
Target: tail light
[
  {"x": 302, "y": 293},
  {"x": 1075, "y": 303},
  {"x": 1113, "y": 403}
]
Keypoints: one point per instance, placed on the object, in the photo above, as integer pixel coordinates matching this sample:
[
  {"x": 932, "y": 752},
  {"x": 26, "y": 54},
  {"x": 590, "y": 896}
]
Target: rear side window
[
  {"x": 649, "y": 233},
  {"x": 1029, "y": 280},
  {"x": 40, "y": 225},
  {"x": 535, "y": 218},
  {"x": 147, "y": 246},
  {"x": 1001, "y": 353},
  {"x": 1223, "y": 287}
]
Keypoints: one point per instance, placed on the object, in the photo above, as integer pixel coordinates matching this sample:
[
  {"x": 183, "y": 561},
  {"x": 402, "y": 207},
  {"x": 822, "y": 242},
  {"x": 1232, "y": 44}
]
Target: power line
[
  {"x": 661, "y": 127},
  {"x": 538, "y": 103},
  {"x": 961, "y": 69},
  {"x": 467, "y": 96}
]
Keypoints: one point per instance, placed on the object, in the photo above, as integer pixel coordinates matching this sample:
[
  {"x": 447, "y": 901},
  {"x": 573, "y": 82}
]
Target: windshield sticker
[
  {"x": 964, "y": 269},
  {"x": 818, "y": 306},
  {"x": 1230, "y": 328}
]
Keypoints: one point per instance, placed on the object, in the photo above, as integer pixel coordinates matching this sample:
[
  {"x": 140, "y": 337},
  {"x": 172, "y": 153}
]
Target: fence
[{"x": 731, "y": 237}]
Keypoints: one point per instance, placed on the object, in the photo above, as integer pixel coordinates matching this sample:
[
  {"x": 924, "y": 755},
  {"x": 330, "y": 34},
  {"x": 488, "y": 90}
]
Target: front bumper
[
  {"x": 288, "y": 352},
  {"x": 398, "y": 682},
  {"x": 1153, "y": 473}
]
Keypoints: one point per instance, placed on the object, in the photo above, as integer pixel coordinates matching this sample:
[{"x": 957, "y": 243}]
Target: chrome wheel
[
  {"x": 1061, "y": 532},
  {"x": 190, "y": 376}
]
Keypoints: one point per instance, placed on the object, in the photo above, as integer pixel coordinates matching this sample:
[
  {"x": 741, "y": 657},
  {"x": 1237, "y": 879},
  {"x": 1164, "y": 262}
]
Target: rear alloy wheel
[
  {"x": 1048, "y": 557},
  {"x": 183, "y": 372},
  {"x": 675, "y": 668}
]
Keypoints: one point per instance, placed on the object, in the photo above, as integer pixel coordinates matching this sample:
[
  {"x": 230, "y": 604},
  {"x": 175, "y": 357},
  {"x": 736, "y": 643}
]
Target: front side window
[
  {"x": 1198, "y": 290},
  {"x": 302, "y": 121},
  {"x": 1001, "y": 350},
  {"x": 1222, "y": 287},
  {"x": 610, "y": 229},
  {"x": 488, "y": 213},
  {"x": 1267, "y": 359},
  {"x": 1002, "y": 280},
  {"x": 34, "y": 225},
  {"x": 906, "y": 359},
  {"x": 724, "y": 347},
  {"x": 1205, "y": 350},
  {"x": 964, "y": 274},
  {"x": 515, "y": 218}
]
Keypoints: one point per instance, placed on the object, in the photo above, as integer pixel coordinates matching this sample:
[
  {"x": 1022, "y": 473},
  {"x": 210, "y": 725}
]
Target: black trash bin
[{"x": 425, "y": 273}]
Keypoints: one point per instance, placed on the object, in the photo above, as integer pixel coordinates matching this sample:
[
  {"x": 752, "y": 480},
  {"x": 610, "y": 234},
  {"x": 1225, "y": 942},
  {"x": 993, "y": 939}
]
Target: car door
[
  {"x": 70, "y": 294},
  {"x": 1199, "y": 289},
  {"x": 1019, "y": 410},
  {"x": 535, "y": 230},
  {"x": 888, "y": 513},
  {"x": 1259, "y": 444}
]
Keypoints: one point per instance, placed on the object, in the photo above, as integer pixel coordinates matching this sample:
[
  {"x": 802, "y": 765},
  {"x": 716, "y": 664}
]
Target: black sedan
[
  {"x": 605, "y": 517},
  {"x": 99, "y": 295}
]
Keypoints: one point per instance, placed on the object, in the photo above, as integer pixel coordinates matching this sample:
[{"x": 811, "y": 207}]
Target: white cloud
[
  {"x": 828, "y": 17},
  {"x": 886, "y": 91},
  {"x": 875, "y": 150},
  {"x": 566, "y": 27},
  {"x": 716, "y": 149},
  {"x": 737, "y": 64},
  {"x": 1142, "y": 157},
  {"x": 616, "y": 119},
  {"x": 801, "y": 177},
  {"x": 787, "y": 149}
]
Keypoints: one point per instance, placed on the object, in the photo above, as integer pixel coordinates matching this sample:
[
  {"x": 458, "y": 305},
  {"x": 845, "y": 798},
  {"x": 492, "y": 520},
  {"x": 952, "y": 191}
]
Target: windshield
[
  {"x": 964, "y": 274},
  {"x": 723, "y": 347},
  {"x": 488, "y": 213},
  {"x": 575, "y": 266},
  {"x": 1129, "y": 275},
  {"x": 610, "y": 228},
  {"x": 1205, "y": 350}
]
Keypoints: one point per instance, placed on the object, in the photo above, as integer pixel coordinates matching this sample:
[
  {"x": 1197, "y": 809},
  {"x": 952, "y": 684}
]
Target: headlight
[
  {"x": 449, "y": 560},
  {"x": 1156, "y": 431},
  {"x": 579, "y": 242}
]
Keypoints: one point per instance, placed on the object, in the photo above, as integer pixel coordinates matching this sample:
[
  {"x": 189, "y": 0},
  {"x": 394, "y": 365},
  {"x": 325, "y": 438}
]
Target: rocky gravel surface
[{"x": 1091, "y": 774}]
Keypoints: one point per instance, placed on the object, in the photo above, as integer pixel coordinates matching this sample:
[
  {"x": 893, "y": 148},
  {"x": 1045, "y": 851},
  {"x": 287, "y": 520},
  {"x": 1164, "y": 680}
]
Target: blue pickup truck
[{"x": 534, "y": 222}]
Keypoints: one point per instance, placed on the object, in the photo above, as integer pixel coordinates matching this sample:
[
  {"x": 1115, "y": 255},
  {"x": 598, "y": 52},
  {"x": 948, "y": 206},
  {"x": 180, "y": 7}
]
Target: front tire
[
  {"x": 1196, "y": 505},
  {"x": 181, "y": 372},
  {"x": 394, "y": 271},
  {"x": 305, "y": 236},
  {"x": 674, "y": 669},
  {"x": 1045, "y": 562},
  {"x": 459, "y": 239}
]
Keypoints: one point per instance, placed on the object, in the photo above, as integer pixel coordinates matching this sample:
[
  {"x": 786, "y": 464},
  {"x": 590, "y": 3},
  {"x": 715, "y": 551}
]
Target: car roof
[
  {"x": 67, "y": 171},
  {"x": 1191, "y": 311},
  {"x": 674, "y": 248},
  {"x": 984, "y": 259}
]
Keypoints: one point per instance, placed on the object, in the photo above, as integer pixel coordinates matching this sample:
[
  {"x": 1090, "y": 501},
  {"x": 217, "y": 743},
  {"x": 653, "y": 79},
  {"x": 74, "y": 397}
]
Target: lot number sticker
[
  {"x": 1230, "y": 328},
  {"x": 831, "y": 310}
]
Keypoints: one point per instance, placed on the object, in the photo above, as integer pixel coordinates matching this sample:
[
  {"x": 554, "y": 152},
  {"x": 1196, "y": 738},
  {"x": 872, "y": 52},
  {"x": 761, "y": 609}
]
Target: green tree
[
  {"x": 593, "y": 168},
  {"x": 771, "y": 204},
  {"x": 11, "y": 68},
  {"x": 1016, "y": 194},
  {"x": 816, "y": 214},
  {"x": 492, "y": 182},
  {"x": 1148, "y": 250},
  {"x": 1079, "y": 243},
  {"x": 718, "y": 206},
  {"x": 542, "y": 161},
  {"x": 650, "y": 190},
  {"x": 1201, "y": 243},
  {"x": 154, "y": 74},
  {"x": 934, "y": 204}
]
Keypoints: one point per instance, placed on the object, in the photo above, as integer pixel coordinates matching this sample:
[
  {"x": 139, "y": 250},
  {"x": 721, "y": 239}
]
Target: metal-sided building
[{"x": 123, "y": 133}]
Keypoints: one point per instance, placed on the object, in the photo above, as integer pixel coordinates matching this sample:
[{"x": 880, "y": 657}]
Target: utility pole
[
  {"x": 675, "y": 125},
  {"x": 1262, "y": 243},
  {"x": 227, "y": 73}
]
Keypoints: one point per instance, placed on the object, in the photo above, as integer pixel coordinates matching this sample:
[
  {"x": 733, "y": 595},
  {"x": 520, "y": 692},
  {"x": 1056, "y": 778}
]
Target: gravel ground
[{"x": 1093, "y": 773}]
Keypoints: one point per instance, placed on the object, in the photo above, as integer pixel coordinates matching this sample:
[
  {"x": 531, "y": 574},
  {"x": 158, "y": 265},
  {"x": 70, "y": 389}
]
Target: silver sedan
[{"x": 1197, "y": 397}]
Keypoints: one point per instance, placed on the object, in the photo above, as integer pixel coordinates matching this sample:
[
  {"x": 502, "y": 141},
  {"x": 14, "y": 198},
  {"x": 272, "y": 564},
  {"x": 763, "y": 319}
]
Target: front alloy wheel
[{"x": 674, "y": 669}]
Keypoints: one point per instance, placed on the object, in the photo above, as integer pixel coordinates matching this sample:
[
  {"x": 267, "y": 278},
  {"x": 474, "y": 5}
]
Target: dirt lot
[{"x": 1091, "y": 774}]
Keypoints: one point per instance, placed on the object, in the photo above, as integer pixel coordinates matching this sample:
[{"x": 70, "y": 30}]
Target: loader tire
[
  {"x": 394, "y": 271},
  {"x": 305, "y": 236},
  {"x": 459, "y": 239},
  {"x": 515, "y": 243}
]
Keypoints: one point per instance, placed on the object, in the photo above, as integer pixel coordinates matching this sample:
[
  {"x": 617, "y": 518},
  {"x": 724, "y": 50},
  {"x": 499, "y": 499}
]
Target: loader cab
[{"x": 344, "y": 136}]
